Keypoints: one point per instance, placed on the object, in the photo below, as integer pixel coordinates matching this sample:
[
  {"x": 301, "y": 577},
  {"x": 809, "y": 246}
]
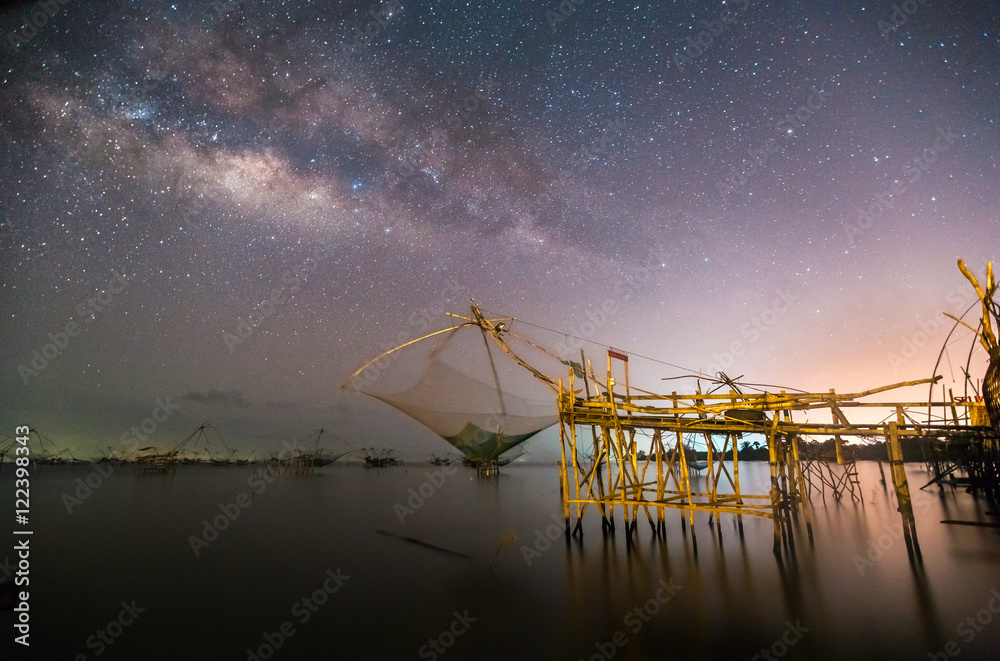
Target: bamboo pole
[
  {"x": 803, "y": 498},
  {"x": 905, "y": 505},
  {"x": 686, "y": 477},
  {"x": 775, "y": 490},
  {"x": 564, "y": 484}
]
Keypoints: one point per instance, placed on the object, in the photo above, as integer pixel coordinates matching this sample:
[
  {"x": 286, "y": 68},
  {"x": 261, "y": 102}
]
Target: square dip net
[{"x": 480, "y": 386}]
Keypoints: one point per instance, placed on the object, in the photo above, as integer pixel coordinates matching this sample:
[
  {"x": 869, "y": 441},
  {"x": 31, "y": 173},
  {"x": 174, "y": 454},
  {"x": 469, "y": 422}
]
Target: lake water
[{"x": 118, "y": 577}]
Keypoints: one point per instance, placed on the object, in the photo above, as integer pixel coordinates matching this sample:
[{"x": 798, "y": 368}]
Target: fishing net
[{"x": 467, "y": 388}]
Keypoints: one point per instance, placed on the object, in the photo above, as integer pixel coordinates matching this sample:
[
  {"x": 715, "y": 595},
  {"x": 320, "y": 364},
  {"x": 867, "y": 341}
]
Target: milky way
[{"x": 777, "y": 191}]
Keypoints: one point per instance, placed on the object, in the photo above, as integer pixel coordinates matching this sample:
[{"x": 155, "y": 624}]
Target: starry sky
[{"x": 233, "y": 205}]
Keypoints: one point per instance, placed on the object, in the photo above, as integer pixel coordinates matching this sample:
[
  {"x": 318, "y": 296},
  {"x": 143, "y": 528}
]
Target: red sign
[{"x": 617, "y": 353}]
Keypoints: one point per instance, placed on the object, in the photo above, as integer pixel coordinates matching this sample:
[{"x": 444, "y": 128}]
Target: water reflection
[{"x": 850, "y": 593}]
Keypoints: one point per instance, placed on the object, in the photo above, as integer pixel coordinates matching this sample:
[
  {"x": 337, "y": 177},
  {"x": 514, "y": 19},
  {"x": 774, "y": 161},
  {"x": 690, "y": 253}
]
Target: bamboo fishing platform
[
  {"x": 623, "y": 475},
  {"x": 619, "y": 474},
  {"x": 968, "y": 439}
]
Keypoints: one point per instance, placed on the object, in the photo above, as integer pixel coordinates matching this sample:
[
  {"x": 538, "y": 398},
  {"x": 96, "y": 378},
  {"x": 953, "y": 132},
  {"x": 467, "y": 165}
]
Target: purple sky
[{"x": 780, "y": 192}]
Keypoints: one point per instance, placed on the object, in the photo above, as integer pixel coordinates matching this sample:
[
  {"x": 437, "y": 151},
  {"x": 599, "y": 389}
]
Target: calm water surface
[{"x": 853, "y": 594}]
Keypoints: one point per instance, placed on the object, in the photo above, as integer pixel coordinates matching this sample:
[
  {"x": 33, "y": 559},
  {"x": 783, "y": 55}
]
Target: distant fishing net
[{"x": 463, "y": 385}]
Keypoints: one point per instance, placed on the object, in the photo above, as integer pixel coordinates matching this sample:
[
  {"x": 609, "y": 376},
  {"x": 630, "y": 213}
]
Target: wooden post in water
[
  {"x": 657, "y": 444},
  {"x": 786, "y": 481},
  {"x": 686, "y": 478},
  {"x": 803, "y": 494},
  {"x": 899, "y": 483},
  {"x": 736, "y": 479},
  {"x": 772, "y": 447},
  {"x": 564, "y": 467},
  {"x": 571, "y": 423}
]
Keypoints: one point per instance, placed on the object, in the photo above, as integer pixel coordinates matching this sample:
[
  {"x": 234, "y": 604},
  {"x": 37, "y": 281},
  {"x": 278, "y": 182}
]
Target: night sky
[{"x": 235, "y": 205}]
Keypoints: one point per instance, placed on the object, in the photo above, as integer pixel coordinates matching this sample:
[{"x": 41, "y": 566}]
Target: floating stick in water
[{"x": 424, "y": 544}]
